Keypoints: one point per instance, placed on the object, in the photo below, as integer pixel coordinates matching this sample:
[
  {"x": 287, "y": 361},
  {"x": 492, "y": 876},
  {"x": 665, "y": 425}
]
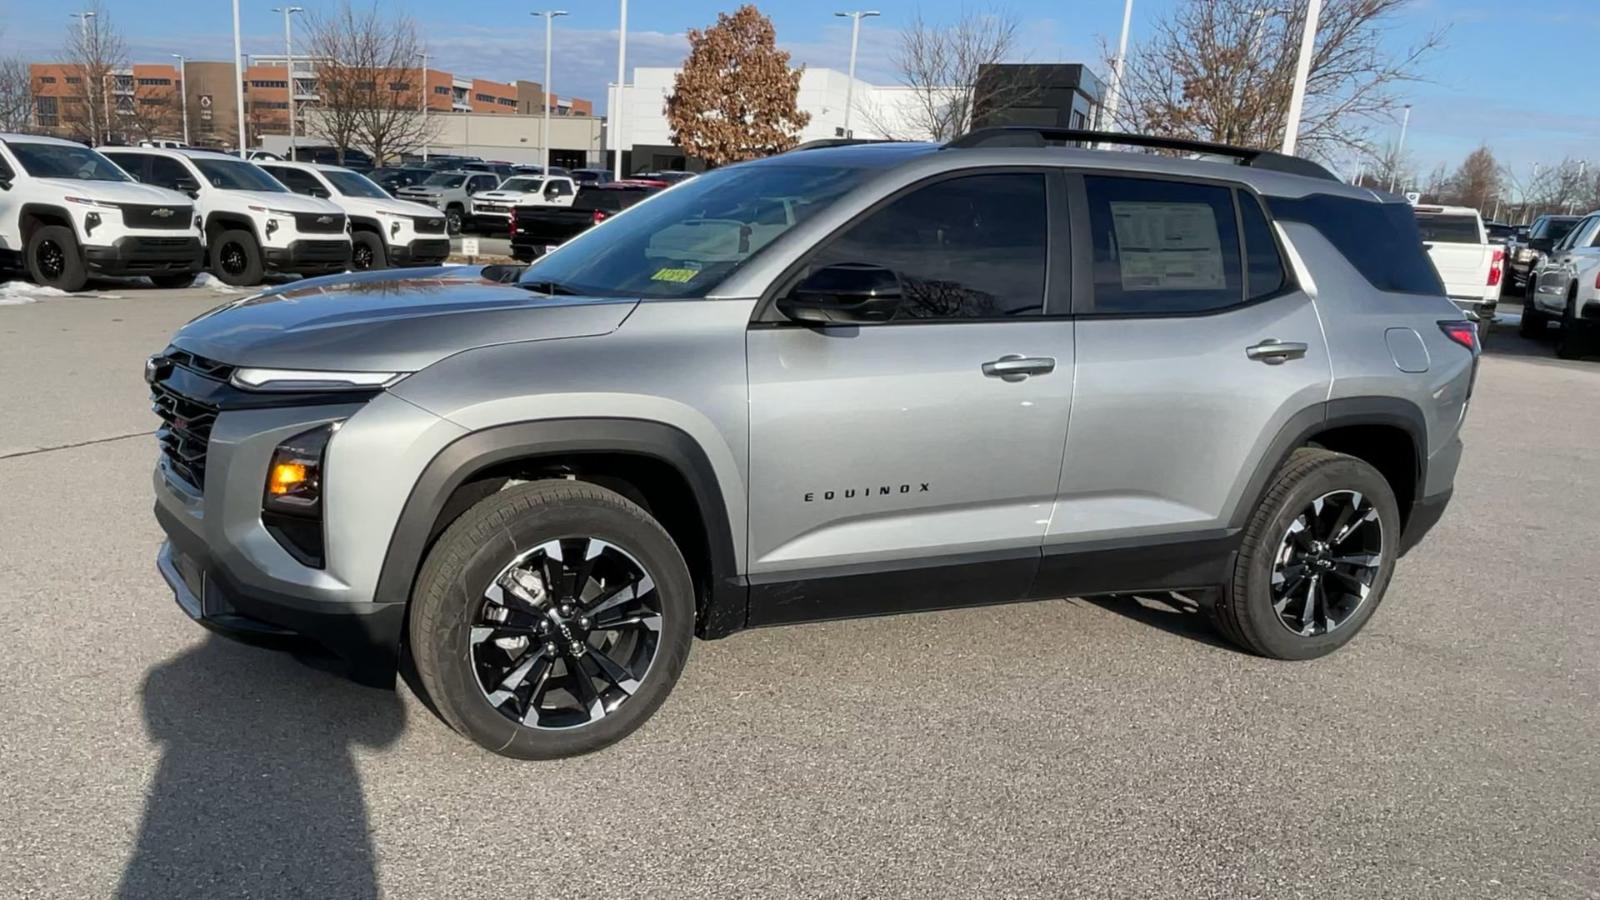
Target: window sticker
[
  {"x": 1168, "y": 246},
  {"x": 676, "y": 276}
]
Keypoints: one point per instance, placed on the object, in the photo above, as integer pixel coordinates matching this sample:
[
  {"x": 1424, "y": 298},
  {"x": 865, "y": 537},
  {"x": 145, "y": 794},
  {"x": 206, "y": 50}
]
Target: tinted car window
[
  {"x": 1162, "y": 247},
  {"x": 963, "y": 248},
  {"x": 60, "y": 161},
  {"x": 354, "y": 184},
  {"x": 607, "y": 199},
  {"x": 1552, "y": 228},
  {"x": 232, "y": 175},
  {"x": 445, "y": 181},
  {"x": 1264, "y": 269},
  {"x": 1379, "y": 239},
  {"x": 170, "y": 174},
  {"x": 299, "y": 181},
  {"x": 1448, "y": 229}
]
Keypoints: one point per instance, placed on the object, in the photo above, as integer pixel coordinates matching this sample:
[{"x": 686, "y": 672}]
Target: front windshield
[
  {"x": 684, "y": 242},
  {"x": 446, "y": 181},
  {"x": 236, "y": 175},
  {"x": 354, "y": 184},
  {"x": 522, "y": 185},
  {"x": 62, "y": 161}
]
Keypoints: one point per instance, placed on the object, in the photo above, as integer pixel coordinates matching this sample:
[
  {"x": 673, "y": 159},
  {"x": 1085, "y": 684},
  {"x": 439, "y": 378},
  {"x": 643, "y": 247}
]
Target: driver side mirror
[
  {"x": 5, "y": 183},
  {"x": 188, "y": 186},
  {"x": 849, "y": 293}
]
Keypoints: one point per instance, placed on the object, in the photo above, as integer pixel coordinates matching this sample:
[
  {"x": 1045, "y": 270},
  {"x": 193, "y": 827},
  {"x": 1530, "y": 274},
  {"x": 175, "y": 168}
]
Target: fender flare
[
  {"x": 230, "y": 220},
  {"x": 45, "y": 209},
  {"x": 368, "y": 223},
  {"x": 725, "y": 605}
]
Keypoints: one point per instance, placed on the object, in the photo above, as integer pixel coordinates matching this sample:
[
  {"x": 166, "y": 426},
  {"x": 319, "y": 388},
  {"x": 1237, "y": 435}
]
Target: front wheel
[
  {"x": 551, "y": 619},
  {"x": 1316, "y": 558},
  {"x": 453, "y": 220},
  {"x": 367, "y": 252},
  {"x": 55, "y": 260},
  {"x": 236, "y": 258}
]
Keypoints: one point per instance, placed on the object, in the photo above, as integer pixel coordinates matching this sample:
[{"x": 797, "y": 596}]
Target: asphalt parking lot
[{"x": 1106, "y": 748}]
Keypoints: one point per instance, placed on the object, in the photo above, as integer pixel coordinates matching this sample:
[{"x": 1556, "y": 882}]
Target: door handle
[
  {"x": 1012, "y": 367},
  {"x": 1273, "y": 351}
]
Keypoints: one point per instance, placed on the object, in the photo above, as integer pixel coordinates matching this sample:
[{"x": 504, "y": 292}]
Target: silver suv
[{"x": 836, "y": 382}]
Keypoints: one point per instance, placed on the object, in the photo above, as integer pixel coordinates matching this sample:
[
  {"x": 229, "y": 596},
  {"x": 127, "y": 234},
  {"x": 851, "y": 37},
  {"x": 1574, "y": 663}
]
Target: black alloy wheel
[
  {"x": 1327, "y": 563},
  {"x": 51, "y": 259},
  {"x": 361, "y": 257},
  {"x": 234, "y": 260},
  {"x": 566, "y": 634}
]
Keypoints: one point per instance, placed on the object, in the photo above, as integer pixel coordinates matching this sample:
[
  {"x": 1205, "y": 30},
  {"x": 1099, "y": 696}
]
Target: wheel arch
[
  {"x": 367, "y": 223},
  {"x": 217, "y": 222},
  {"x": 34, "y": 216},
  {"x": 656, "y": 465}
]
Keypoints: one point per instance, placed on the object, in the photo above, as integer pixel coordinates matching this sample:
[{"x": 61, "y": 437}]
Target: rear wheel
[
  {"x": 1533, "y": 323},
  {"x": 1317, "y": 556},
  {"x": 1572, "y": 342},
  {"x": 551, "y": 619},
  {"x": 55, "y": 260},
  {"x": 368, "y": 252},
  {"x": 236, "y": 258}
]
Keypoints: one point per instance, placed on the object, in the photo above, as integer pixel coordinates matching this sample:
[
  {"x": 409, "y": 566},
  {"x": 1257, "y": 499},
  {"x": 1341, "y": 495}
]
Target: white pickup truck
[
  {"x": 1470, "y": 266},
  {"x": 491, "y": 210}
]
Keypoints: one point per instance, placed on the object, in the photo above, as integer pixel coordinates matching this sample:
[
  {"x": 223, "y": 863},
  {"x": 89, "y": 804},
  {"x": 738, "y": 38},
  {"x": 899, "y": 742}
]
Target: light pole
[
  {"x": 1400, "y": 148},
  {"x": 622, "y": 78},
  {"x": 90, "y": 56},
  {"x": 288, "y": 65},
  {"x": 1114, "y": 92},
  {"x": 855, "y": 38},
  {"x": 183, "y": 92},
  {"x": 1302, "y": 70},
  {"x": 424, "y": 106},
  {"x": 549, "y": 17},
  {"x": 238, "y": 79}
]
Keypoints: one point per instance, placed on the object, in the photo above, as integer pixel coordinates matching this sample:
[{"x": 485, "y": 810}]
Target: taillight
[
  {"x": 1494, "y": 270},
  {"x": 599, "y": 216},
  {"x": 1462, "y": 332}
]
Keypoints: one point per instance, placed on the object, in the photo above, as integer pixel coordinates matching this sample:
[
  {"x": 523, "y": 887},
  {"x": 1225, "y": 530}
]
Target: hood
[
  {"x": 118, "y": 191},
  {"x": 505, "y": 195},
  {"x": 419, "y": 190},
  {"x": 371, "y": 206},
  {"x": 285, "y": 201},
  {"x": 389, "y": 320}
]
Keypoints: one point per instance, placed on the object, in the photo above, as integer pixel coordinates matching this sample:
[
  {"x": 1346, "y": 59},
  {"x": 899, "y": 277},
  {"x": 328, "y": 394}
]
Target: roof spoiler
[{"x": 1028, "y": 136}]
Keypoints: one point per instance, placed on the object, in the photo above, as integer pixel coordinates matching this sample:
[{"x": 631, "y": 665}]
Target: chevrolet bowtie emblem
[
  {"x": 162, "y": 213},
  {"x": 323, "y": 220}
]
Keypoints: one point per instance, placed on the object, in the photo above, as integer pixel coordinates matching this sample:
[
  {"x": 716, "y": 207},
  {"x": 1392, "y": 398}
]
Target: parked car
[
  {"x": 384, "y": 231},
  {"x": 165, "y": 143},
  {"x": 67, "y": 213},
  {"x": 1565, "y": 288},
  {"x": 537, "y": 230},
  {"x": 491, "y": 210},
  {"x": 358, "y": 160},
  {"x": 1524, "y": 252},
  {"x": 1499, "y": 232},
  {"x": 1470, "y": 266},
  {"x": 451, "y": 193},
  {"x": 593, "y": 176},
  {"x": 252, "y": 223},
  {"x": 393, "y": 178},
  {"x": 665, "y": 176},
  {"x": 823, "y": 384},
  {"x": 447, "y": 163}
]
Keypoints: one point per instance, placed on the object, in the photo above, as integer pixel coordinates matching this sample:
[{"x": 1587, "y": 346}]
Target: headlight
[
  {"x": 309, "y": 380},
  {"x": 291, "y": 502},
  {"x": 1524, "y": 254},
  {"x": 88, "y": 201}
]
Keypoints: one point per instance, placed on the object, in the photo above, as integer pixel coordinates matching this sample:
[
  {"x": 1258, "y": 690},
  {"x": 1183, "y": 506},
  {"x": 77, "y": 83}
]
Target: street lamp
[
  {"x": 855, "y": 38},
  {"x": 424, "y": 93},
  {"x": 615, "y": 127},
  {"x": 288, "y": 66},
  {"x": 1302, "y": 70},
  {"x": 549, "y": 17},
  {"x": 1114, "y": 93},
  {"x": 183, "y": 92},
  {"x": 91, "y": 54},
  {"x": 238, "y": 79},
  {"x": 1400, "y": 148}
]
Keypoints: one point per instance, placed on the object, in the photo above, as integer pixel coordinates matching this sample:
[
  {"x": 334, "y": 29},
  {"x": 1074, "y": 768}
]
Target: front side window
[
  {"x": 1162, "y": 247},
  {"x": 684, "y": 242},
  {"x": 230, "y": 175},
  {"x": 63, "y": 161},
  {"x": 973, "y": 247},
  {"x": 170, "y": 174}
]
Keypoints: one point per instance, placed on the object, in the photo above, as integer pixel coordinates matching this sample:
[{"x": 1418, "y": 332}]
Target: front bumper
[
  {"x": 309, "y": 256},
  {"x": 141, "y": 255},
  {"x": 420, "y": 252}
]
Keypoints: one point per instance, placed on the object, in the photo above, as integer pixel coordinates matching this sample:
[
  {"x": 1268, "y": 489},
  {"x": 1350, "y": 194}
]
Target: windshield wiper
[{"x": 553, "y": 288}]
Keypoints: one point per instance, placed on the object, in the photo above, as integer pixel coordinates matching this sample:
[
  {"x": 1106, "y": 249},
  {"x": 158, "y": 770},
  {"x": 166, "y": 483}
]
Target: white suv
[
  {"x": 384, "y": 231},
  {"x": 252, "y": 223},
  {"x": 67, "y": 213}
]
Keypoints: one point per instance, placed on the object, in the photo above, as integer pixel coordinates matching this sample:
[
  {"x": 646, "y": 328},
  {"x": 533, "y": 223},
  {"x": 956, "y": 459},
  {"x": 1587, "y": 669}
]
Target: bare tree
[
  {"x": 1223, "y": 70},
  {"x": 16, "y": 95},
  {"x": 942, "y": 65},
  {"x": 370, "y": 88},
  {"x": 1478, "y": 182},
  {"x": 94, "y": 52}
]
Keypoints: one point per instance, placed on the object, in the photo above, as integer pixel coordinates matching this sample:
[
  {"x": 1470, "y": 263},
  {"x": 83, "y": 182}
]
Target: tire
[
  {"x": 1534, "y": 324},
  {"x": 1245, "y": 612},
  {"x": 1572, "y": 341},
  {"x": 174, "y": 281},
  {"x": 235, "y": 258},
  {"x": 55, "y": 260},
  {"x": 453, "y": 219},
  {"x": 462, "y": 656},
  {"x": 368, "y": 252}
]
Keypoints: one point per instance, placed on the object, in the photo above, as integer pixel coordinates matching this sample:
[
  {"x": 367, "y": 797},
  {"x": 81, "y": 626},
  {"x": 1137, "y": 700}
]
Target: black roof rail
[
  {"x": 1029, "y": 136},
  {"x": 823, "y": 143}
]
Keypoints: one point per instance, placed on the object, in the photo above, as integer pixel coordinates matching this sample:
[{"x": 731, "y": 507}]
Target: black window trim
[
  {"x": 1057, "y": 255},
  {"x": 1083, "y": 294}
]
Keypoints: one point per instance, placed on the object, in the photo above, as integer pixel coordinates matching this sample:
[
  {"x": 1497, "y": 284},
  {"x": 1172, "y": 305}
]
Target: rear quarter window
[{"x": 1380, "y": 240}]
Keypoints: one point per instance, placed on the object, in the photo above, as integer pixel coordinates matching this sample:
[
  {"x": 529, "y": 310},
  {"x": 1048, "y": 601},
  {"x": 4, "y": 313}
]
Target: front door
[
  {"x": 1195, "y": 349},
  {"x": 916, "y": 447}
]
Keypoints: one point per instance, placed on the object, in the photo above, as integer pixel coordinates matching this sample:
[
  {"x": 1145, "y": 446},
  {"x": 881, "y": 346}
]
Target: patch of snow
[
  {"x": 211, "y": 282},
  {"x": 16, "y": 293}
]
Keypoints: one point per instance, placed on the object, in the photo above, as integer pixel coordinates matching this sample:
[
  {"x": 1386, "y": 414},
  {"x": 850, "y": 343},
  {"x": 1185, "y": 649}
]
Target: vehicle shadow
[
  {"x": 256, "y": 793},
  {"x": 1172, "y": 612}
]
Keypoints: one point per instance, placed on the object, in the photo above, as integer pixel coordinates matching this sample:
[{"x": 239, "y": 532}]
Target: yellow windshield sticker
[{"x": 676, "y": 276}]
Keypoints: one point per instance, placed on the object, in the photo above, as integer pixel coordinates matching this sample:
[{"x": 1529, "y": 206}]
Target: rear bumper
[
  {"x": 138, "y": 255},
  {"x": 1425, "y": 513},
  {"x": 1483, "y": 308},
  {"x": 420, "y": 252},
  {"x": 309, "y": 256}
]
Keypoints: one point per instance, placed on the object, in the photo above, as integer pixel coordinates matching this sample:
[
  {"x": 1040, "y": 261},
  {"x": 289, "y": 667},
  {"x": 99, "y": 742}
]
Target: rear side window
[
  {"x": 1447, "y": 229},
  {"x": 1264, "y": 270},
  {"x": 1380, "y": 240},
  {"x": 1162, "y": 247}
]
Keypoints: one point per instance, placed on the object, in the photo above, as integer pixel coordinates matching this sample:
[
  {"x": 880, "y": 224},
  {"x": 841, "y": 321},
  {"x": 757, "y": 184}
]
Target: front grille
[
  {"x": 489, "y": 206},
  {"x": 319, "y": 223},
  {"x": 428, "y": 224},
  {"x": 185, "y": 432},
  {"x": 161, "y": 218},
  {"x": 155, "y": 244}
]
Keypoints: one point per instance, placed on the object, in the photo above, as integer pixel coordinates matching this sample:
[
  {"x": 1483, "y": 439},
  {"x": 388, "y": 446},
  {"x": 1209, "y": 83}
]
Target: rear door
[
  {"x": 1459, "y": 250},
  {"x": 1195, "y": 348}
]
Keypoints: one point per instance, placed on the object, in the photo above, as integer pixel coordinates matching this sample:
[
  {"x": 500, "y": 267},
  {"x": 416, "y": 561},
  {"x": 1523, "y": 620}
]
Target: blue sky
[{"x": 1488, "y": 84}]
